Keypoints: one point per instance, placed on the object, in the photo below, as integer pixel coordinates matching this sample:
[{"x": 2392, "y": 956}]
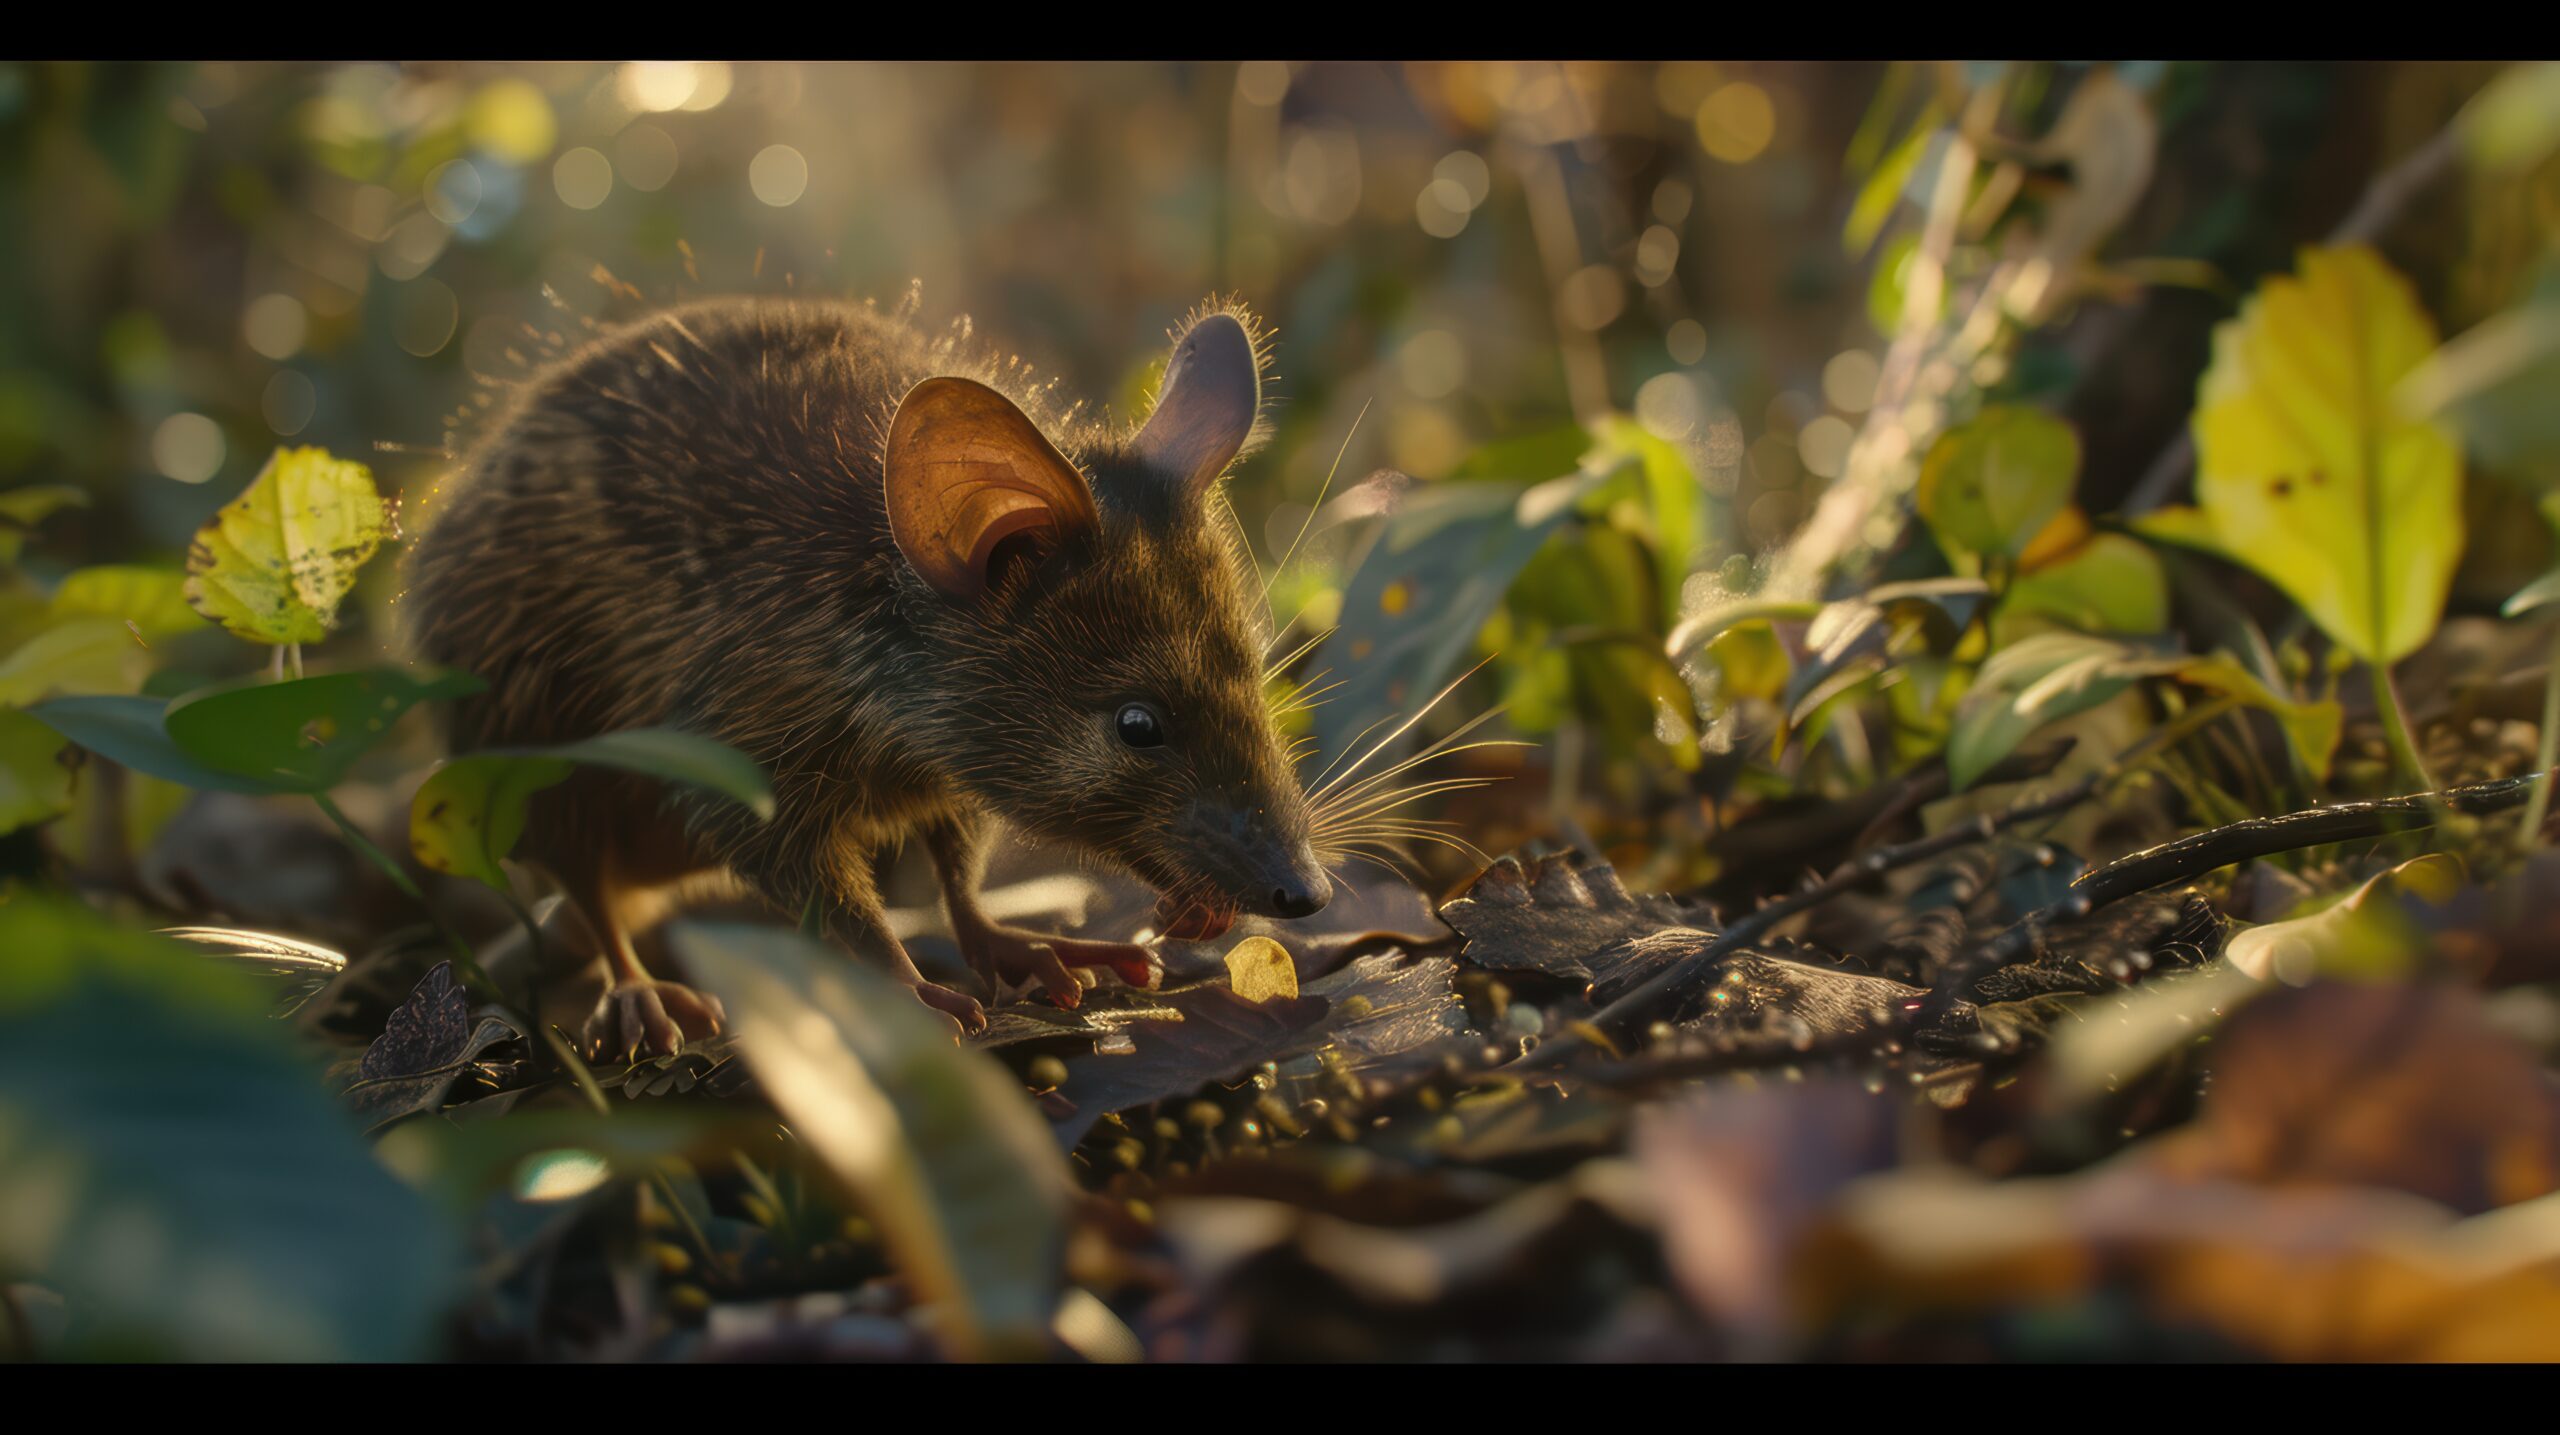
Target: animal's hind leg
[{"x": 638, "y": 1014}]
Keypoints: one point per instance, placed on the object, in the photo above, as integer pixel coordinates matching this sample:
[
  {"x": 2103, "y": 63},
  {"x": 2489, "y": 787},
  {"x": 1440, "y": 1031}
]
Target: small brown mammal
[{"x": 915, "y": 594}]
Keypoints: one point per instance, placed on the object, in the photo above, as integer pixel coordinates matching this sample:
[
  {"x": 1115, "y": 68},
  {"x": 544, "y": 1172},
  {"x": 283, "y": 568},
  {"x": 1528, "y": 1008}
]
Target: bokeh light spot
[
  {"x": 1849, "y": 380},
  {"x": 1262, "y": 82},
  {"x": 655, "y": 85},
  {"x": 1467, "y": 170},
  {"x": 426, "y": 316},
  {"x": 453, "y": 191},
  {"x": 288, "y": 403},
  {"x": 414, "y": 245},
  {"x": 710, "y": 87},
  {"x": 275, "y": 325},
  {"x": 187, "y": 447},
  {"x": 1657, "y": 254},
  {"x": 1321, "y": 178},
  {"x": 645, "y": 157},
  {"x": 778, "y": 175},
  {"x": 1736, "y": 122},
  {"x": 512, "y": 120},
  {"x": 1441, "y": 209},
  {"x": 1824, "y": 445},
  {"x": 583, "y": 178},
  {"x": 1592, "y": 296}
]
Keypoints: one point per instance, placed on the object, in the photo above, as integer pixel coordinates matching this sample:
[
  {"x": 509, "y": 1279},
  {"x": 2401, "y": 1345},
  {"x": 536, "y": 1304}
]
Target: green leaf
[
  {"x": 130, "y": 731},
  {"x": 303, "y": 735},
  {"x": 2310, "y": 472},
  {"x": 2034, "y": 682},
  {"x": 1434, "y": 573},
  {"x": 2110, "y": 584},
  {"x": 153, "y": 600},
  {"x": 2515, "y": 120},
  {"x": 1990, "y": 486},
  {"x": 1882, "y": 193},
  {"x": 937, "y": 1143},
  {"x": 170, "y": 1162},
  {"x": 467, "y": 817},
  {"x": 677, "y": 757},
  {"x": 1671, "y": 506},
  {"x": 34, "y": 785},
  {"x": 1888, "y": 287},
  {"x": 81, "y": 656},
  {"x": 273, "y": 565}
]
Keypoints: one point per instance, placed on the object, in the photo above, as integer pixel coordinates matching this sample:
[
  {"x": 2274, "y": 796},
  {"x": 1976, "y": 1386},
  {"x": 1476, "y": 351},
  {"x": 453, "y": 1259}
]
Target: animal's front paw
[
  {"x": 1002, "y": 953},
  {"x": 650, "y": 1019},
  {"x": 959, "y": 1006}
]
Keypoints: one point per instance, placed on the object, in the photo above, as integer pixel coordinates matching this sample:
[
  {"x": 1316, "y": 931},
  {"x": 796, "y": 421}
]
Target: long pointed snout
[
  {"x": 1262, "y": 871},
  {"x": 1299, "y": 886}
]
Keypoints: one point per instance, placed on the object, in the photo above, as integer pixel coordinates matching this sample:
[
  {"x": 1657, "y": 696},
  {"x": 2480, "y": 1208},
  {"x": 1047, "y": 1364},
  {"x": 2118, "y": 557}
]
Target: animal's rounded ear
[
  {"x": 970, "y": 482},
  {"x": 1212, "y": 395}
]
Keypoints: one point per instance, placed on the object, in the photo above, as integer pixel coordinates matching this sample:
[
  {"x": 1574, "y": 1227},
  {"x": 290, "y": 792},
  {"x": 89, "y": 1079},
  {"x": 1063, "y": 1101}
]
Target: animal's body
[{"x": 922, "y": 598}]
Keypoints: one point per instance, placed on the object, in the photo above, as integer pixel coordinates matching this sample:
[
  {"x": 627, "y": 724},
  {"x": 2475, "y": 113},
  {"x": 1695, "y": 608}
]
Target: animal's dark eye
[{"x": 1139, "y": 726}]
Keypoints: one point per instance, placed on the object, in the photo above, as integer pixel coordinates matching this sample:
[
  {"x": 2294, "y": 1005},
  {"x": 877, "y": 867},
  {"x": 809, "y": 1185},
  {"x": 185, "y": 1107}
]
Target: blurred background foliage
[
  {"x": 1680, "y": 281},
  {"x": 1605, "y": 392}
]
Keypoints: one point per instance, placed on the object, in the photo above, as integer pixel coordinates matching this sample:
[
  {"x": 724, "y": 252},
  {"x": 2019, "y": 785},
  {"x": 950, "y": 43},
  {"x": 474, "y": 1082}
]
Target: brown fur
[{"x": 681, "y": 524}]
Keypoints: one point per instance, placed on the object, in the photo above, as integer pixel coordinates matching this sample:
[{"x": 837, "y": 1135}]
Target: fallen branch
[
  {"x": 2193, "y": 856},
  {"x": 1632, "y": 1011}
]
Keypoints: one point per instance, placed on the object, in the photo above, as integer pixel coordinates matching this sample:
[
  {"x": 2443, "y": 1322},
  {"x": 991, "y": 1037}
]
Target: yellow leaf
[
  {"x": 1260, "y": 970},
  {"x": 512, "y": 119},
  {"x": 1753, "y": 661},
  {"x": 2364, "y": 935},
  {"x": 2313, "y": 728},
  {"x": 152, "y": 600},
  {"x": 79, "y": 657},
  {"x": 467, "y": 816},
  {"x": 1992, "y": 485},
  {"x": 275, "y": 562},
  {"x": 2308, "y": 472},
  {"x": 2182, "y": 527}
]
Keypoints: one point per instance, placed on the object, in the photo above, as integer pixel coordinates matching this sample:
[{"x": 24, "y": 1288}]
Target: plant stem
[
  {"x": 533, "y": 958},
  {"x": 2395, "y": 726},
  {"x": 463, "y": 961}
]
